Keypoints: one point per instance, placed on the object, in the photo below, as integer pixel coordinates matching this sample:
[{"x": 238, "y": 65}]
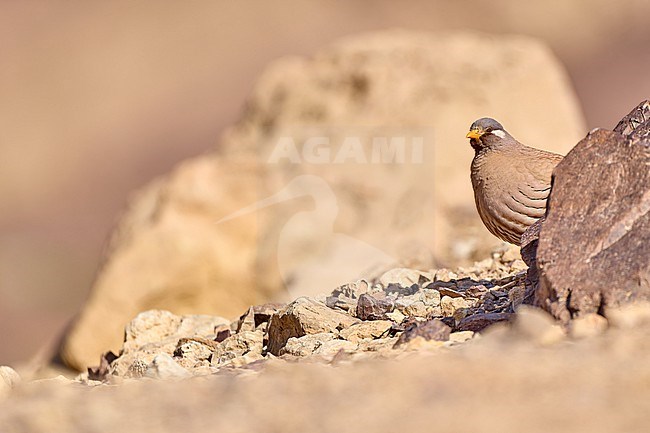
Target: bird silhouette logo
[{"x": 312, "y": 257}]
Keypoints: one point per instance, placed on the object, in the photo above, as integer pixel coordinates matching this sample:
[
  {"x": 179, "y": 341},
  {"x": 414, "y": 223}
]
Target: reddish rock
[
  {"x": 480, "y": 321},
  {"x": 594, "y": 247},
  {"x": 433, "y": 329},
  {"x": 371, "y": 308},
  {"x": 529, "y": 243}
]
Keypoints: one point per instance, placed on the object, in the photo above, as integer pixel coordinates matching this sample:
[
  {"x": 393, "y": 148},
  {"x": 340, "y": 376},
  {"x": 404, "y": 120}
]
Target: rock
[
  {"x": 167, "y": 251},
  {"x": 588, "y": 325},
  {"x": 637, "y": 123},
  {"x": 461, "y": 336},
  {"x": 450, "y": 305},
  {"x": 404, "y": 277},
  {"x": 156, "y": 332},
  {"x": 301, "y": 317},
  {"x": 246, "y": 321},
  {"x": 478, "y": 322},
  {"x": 305, "y": 345},
  {"x": 372, "y": 329},
  {"x": 632, "y": 316},
  {"x": 396, "y": 316},
  {"x": 593, "y": 244},
  {"x": 101, "y": 372},
  {"x": 8, "y": 379},
  {"x": 334, "y": 347},
  {"x": 536, "y": 325},
  {"x": 244, "y": 343},
  {"x": 529, "y": 244},
  {"x": 372, "y": 308},
  {"x": 263, "y": 313},
  {"x": 163, "y": 366},
  {"x": 381, "y": 345},
  {"x": 342, "y": 303},
  {"x": 192, "y": 353},
  {"x": 352, "y": 290},
  {"x": 430, "y": 330}
]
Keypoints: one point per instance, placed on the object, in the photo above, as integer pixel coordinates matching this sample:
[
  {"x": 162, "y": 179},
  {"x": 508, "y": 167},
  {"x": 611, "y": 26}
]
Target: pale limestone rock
[
  {"x": 368, "y": 329},
  {"x": 461, "y": 336},
  {"x": 587, "y": 326},
  {"x": 163, "y": 366},
  {"x": 451, "y": 305},
  {"x": 333, "y": 347},
  {"x": 537, "y": 326},
  {"x": 305, "y": 345},
  {"x": 301, "y": 317},
  {"x": 403, "y": 277},
  {"x": 244, "y": 343},
  {"x": 630, "y": 316},
  {"x": 8, "y": 379},
  {"x": 156, "y": 331}
]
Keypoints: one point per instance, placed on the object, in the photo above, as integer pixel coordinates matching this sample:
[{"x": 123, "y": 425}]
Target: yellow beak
[{"x": 474, "y": 133}]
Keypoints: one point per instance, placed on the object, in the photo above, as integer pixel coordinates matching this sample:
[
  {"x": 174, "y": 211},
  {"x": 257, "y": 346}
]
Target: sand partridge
[{"x": 511, "y": 181}]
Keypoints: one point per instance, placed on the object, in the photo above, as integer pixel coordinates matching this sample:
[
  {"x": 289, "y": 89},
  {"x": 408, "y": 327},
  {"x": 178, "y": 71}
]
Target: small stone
[
  {"x": 150, "y": 327},
  {"x": 416, "y": 309},
  {"x": 378, "y": 345},
  {"x": 263, "y": 313},
  {"x": 332, "y": 347},
  {"x": 403, "y": 277},
  {"x": 449, "y": 305},
  {"x": 536, "y": 325},
  {"x": 238, "y": 345},
  {"x": 371, "y": 308},
  {"x": 8, "y": 379},
  {"x": 511, "y": 254},
  {"x": 101, "y": 372},
  {"x": 447, "y": 291},
  {"x": 399, "y": 290},
  {"x": 444, "y": 275},
  {"x": 419, "y": 343},
  {"x": 630, "y": 316},
  {"x": 306, "y": 345},
  {"x": 461, "y": 336},
  {"x": 430, "y": 330},
  {"x": 342, "y": 302},
  {"x": 302, "y": 317},
  {"x": 396, "y": 316},
  {"x": 430, "y": 297},
  {"x": 478, "y": 322},
  {"x": 137, "y": 369},
  {"x": 163, "y": 366},
  {"x": 588, "y": 325},
  {"x": 246, "y": 321},
  {"x": 516, "y": 296},
  {"x": 364, "y": 330},
  {"x": 351, "y": 290},
  {"x": 403, "y": 303},
  {"x": 191, "y": 352}
]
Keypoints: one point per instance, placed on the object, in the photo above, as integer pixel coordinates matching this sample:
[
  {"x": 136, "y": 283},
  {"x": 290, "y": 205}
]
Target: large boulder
[
  {"x": 594, "y": 246},
  {"x": 353, "y": 158}
]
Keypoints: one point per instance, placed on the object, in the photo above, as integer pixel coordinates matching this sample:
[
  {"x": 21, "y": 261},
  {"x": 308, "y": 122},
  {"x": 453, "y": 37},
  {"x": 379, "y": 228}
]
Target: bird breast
[{"x": 509, "y": 196}]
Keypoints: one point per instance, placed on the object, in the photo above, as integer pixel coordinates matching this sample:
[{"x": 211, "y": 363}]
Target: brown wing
[{"x": 518, "y": 197}]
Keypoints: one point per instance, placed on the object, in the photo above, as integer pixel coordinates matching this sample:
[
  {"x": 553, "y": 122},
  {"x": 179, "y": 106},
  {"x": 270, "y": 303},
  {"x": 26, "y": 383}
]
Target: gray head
[{"x": 487, "y": 133}]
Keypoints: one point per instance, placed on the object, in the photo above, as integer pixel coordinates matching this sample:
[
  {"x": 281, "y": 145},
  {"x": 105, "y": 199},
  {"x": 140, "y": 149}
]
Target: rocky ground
[{"x": 405, "y": 351}]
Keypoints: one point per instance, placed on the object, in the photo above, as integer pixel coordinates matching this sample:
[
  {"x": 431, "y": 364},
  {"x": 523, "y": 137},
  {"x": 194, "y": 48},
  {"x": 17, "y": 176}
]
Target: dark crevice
[
  {"x": 601, "y": 305},
  {"x": 572, "y": 311}
]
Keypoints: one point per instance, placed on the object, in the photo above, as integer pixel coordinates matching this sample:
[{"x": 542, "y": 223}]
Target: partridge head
[{"x": 511, "y": 181}]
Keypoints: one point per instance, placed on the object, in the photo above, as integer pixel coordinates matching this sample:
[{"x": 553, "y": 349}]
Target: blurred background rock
[{"x": 98, "y": 98}]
